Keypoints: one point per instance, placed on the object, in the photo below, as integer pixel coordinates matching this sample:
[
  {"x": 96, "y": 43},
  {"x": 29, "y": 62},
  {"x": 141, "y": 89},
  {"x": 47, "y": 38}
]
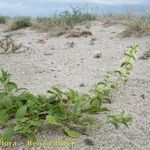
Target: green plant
[
  {"x": 61, "y": 23},
  {"x": 24, "y": 113},
  {"x": 20, "y": 22},
  {"x": 2, "y": 19},
  {"x": 7, "y": 44}
]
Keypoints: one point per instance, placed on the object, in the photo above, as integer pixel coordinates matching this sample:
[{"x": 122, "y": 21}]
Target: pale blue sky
[
  {"x": 5, "y": 3},
  {"x": 46, "y": 7}
]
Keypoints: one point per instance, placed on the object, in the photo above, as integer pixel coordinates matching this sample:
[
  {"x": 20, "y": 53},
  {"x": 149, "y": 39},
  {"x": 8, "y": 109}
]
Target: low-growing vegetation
[
  {"x": 63, "y": 22},
  {"x": 2, "y": 19},
  {"x": 137, "y": 26},
  {"x": 23, "y": 113},
  {"x": 20, "y": 22}
]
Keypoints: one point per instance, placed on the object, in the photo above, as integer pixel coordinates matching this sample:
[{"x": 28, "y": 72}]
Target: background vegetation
[
  {"x": 2, "y": 19},
  {"x": 65, "y": 21}
]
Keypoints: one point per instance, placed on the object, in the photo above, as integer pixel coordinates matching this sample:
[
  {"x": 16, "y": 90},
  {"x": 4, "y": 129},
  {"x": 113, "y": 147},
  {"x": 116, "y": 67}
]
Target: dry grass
[
  {"x": 59, "y": 24},
  {"x": 7, "y": 45},
  {"x": 137, "y": 26},
  {"x": 146, "y": 55},
  {"x": 76, "y": 34},
  {"x": 63, "y": 23}
]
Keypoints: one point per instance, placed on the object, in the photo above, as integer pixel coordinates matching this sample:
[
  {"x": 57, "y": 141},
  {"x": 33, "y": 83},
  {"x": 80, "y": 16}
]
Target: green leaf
[
  {"x": 117, "y": 119},
  {"x": 71, "y": 133},
  {"x": 5, "y": 76},
  {"x": 31, "y": 104},
  {"x": 57, "y": 92},
  {"x": 53, "y": 120},
  {"x": 11, "y": 86},
  {"x": 21, "y": 112},
  {"x": 94, "y": 110},
  {"x": 88, "y": 120},
  {"x": 8, "y": 134},
  {"x": 3, "y": 118},
  {"x": 95, "y": 103},
  {"x": 31, "y": 136},
  {"x": 35, "y": 122}
]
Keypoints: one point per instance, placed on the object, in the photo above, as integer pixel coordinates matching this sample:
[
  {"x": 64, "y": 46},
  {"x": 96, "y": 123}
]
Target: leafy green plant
[
  {"x": 24, "y": 113},
  {"x": 119, "y": 118}
]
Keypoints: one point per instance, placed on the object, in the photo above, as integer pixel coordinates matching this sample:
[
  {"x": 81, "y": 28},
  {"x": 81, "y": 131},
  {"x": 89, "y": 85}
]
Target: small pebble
[
  {"x": 82, "y": 85},
  {"x": 143, "y": 96},
  {"x": 97, "y": 55},
  {"x": 89, "y": 142},
  {"x": 41, "y": 41}
]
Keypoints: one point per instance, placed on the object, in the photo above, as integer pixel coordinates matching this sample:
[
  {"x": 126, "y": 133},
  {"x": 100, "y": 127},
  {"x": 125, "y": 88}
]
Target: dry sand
[{"x": 50, "y": 61}]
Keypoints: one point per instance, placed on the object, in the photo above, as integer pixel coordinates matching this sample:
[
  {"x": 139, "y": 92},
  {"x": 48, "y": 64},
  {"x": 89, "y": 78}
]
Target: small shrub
[
  {"x": 2, "y": 19},
  {"x": 138, "y": 26},
  {"x": 7, "y": 45},
  {"x": 21, "y": 22}
]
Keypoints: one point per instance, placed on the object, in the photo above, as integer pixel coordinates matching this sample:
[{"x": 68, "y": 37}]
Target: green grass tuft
[
  {"x": 20, "y": 23},
  {"x": 2, "y": 19}
]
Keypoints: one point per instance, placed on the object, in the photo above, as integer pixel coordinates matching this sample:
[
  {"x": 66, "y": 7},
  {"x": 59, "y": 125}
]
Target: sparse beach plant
[{"x": 23, "y": 113}]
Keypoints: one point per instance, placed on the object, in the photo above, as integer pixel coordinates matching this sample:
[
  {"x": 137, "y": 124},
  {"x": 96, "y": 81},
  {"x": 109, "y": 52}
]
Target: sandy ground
[{"x": 49, "y": 61}]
